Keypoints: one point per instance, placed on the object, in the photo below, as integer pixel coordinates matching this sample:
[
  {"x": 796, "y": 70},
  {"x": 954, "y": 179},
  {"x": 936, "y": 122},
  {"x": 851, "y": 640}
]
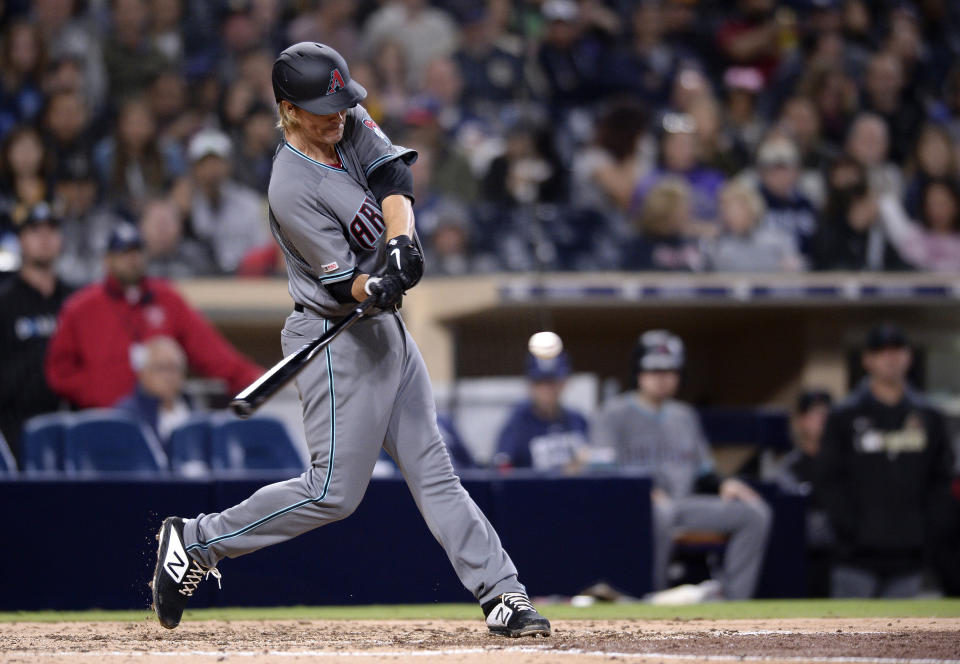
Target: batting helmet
[
  {"x": 658, "y": 350},
  {"x": 315, "y": 77}
]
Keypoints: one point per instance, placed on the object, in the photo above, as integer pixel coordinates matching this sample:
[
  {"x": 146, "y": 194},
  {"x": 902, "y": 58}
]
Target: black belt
[{"x": 299, "y": 308}]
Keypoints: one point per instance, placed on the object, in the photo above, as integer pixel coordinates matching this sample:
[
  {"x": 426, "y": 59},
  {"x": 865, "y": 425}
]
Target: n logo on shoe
[
  {"x": 175, "y": 561},
  {"x": 500, "y": 615}
]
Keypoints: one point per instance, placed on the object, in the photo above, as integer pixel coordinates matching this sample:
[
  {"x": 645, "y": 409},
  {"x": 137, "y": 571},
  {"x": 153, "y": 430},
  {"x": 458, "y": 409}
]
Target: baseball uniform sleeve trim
[
  {"x": 334, "y": 278},
  {"x": 326, "y": 482}
]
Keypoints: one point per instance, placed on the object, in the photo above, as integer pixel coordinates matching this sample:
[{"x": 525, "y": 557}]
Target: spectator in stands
[
  {"x": 450, "y": 174},
  {"x": 66, "y": 126},
  {"x": 934, "y": 244},
  {"x": 606, "y": 172},
  {"x": 540, "y": 432},
  {"x": 886, "y": 467},
  {"x": 800, "y": 123},
  {"x": 935, "y": 157},
  {"x": 229, "y": 217},
  {"x": 834, "y": 94},
  {"x": 744, "y": 126},
  {"x": 529, "y": 171},
  {"x": 869, "y": 143},
  {"x": 649, "y": 430},
  {"x": 571, "y": 61},
  {"x": 662, "y": 242},
  {"x": 492, "y": 69},
  {"x": 85, "y": 223},
  {"x": 168, "y": 99},
  {"x": 25, "y": 168},
  {"x": 164, "y": 30},
  {"x": 22, "y": 61},
  {"x": 332, "y": 22},
  {"x": 788, "y": 210},
  {"x": 29, "y": 304},
  {"x": 131, "y": 57},
  {"x": 169, "y": 253},
  {"x": 752, "y": 37},
  {"x": 678, "y": 158},
  {"x": 88, "y": 362},
  {"x": 715, "y": 148},
  {"x": 884, "y": 87},
  {"x": 72, "y": 40},
  {"x": 257, "y": 144},
  {"x": 850, "y": 236},
  {"x": 158, "y": 399},
  {"x": 744, "y": 244},
  {"x": 644, "y": 66},
  {"x": 422, "y": 31},
  {"x": 797, "y": 474},
  {"x": 133, "y": 163}
]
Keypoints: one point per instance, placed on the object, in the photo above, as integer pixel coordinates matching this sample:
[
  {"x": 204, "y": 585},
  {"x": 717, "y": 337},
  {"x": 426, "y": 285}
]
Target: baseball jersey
[
  {"x": 325, "y": 218},
  {"x": 669, "y": 442}
]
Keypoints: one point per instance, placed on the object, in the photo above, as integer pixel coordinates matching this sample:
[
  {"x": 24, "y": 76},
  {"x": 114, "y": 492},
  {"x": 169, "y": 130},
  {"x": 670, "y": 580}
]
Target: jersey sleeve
[
  {"x": 372, "y": 146},
  {"x": 312, "y": 239}
]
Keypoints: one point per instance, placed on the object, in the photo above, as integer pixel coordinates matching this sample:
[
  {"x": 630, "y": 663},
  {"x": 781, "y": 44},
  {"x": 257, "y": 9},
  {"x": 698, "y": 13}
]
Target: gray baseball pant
[
  {"x": 847, "y": 582},
  {"x": 368, "y": 390},
  {"x": 747, "y": 524}
]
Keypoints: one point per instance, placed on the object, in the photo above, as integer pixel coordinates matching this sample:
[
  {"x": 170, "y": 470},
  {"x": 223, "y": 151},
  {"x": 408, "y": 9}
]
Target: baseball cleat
[
  {"x": 176, "y": 575},
  {"x": 512, "y": 614}
]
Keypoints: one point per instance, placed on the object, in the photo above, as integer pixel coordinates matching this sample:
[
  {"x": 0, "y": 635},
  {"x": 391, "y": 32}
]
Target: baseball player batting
[{"x": 340, "y": 208}]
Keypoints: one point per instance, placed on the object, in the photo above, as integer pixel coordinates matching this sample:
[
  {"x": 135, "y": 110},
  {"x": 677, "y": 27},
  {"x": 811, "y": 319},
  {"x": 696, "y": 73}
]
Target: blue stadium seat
[
  {"x": 260, "y": 443},
  {"x": 106, "y": 441},
  {"x": 189, "y": 446},
  {"x": 8, "y": 465},
  {"x": 42, "y": 442}
]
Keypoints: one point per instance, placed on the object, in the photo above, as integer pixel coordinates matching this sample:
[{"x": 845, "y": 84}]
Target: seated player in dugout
[
  {"x": 648, "y": 430},
  {"x": 341, "y": 210},
  {"x": 541, "y": 433}
]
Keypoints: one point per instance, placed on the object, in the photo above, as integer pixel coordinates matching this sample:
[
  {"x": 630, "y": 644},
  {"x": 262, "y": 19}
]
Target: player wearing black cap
[
  {"x": 886, "y": 465},
  {"x": 341, "y": 210},
  {"x": 29, "y": 304}
]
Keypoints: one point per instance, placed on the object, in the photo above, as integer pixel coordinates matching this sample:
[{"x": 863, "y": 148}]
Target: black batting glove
[
  {"x": 386, "y": 290},
  {"x": 404, "y": 260}
]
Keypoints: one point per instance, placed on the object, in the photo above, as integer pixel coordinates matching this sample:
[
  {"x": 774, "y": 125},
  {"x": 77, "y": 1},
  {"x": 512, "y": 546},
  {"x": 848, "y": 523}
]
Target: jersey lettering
[{"x": 367, "y": 225}]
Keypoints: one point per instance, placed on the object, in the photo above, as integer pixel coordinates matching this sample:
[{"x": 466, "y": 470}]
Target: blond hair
[
  {"x": 286, "y": 120},
  {"x": 748, "y": 194},
  {"x": 658, "y": 216}
]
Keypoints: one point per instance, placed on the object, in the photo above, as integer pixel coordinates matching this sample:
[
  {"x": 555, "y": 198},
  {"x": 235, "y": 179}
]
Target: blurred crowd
[{"x": 688, "y": 135}]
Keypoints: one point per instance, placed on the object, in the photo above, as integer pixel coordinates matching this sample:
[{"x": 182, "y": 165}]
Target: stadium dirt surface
[{"x": 840, "y": 640}]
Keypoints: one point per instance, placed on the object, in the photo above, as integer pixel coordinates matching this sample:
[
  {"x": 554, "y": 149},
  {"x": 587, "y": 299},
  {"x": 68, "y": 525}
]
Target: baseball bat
[{"x": 252, "y": 397}]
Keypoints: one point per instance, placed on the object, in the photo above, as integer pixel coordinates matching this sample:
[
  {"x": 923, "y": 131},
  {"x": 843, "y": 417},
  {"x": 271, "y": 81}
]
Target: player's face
[
  {"x": 128, "y": 267},
  {"x": 659, "y": 385},
  {"x": 40, "y": 245},
  {"x": 888, "y": 364},
  {"x": 326, "y": 129}
]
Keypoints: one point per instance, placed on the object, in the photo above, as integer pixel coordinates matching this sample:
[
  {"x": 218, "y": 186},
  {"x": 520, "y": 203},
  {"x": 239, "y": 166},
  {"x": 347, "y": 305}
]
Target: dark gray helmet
[
  {"x": 315, "y": 77},
  {"x": 658, "y": 350}
]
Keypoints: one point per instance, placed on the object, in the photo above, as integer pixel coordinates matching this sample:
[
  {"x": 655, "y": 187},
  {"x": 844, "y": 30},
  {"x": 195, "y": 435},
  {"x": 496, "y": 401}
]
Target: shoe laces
[
  {"x": 195, "y": 575},
  {"x": 518, "y": 601}
]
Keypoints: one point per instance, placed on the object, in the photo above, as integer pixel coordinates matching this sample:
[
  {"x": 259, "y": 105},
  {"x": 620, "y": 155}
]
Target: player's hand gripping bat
[{"x": 281, "y": 373}]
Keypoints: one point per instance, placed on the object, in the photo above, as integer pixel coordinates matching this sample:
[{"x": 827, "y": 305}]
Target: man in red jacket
[{"x": 88, "y": 361}]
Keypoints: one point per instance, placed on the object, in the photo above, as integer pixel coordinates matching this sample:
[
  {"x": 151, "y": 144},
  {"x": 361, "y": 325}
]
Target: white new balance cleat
[{"x": 176, "y": 575}]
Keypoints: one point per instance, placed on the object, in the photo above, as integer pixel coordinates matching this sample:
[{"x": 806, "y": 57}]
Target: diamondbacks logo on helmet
[
  {"x": 336, "y": 82},
  {"x": 372, "y": 126}
]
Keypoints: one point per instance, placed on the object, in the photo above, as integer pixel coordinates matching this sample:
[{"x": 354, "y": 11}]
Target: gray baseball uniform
[
  {"x": 368, "y": 390},
  {"x": 670, "y": 445}
]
